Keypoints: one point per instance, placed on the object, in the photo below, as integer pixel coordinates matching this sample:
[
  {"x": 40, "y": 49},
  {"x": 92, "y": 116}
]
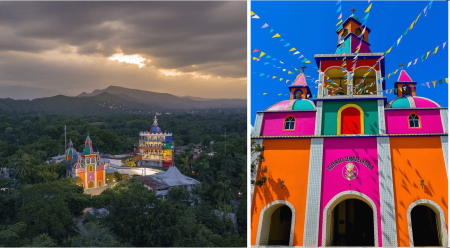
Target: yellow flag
[
  {"x": 274, "y": 77},
  {"x": 315, "y": 87},
  {"x": 412, "y": 25},
  {"x": 388, "y": 51},
  {"x": 435, "y": 50},
  {"x": 289, "y": 72},
  {"x": 280, "y": 94},
  {"x": 395, "y": 71},
  {"x": 368, "y": 8},
  {"x": 339, "y": 22},
  {"x": 344, "y": 58},
  {"x": 446, "y": 80},
  {"x": 295, "y": 69},
  {"x": 262, "y": 54},
  {"x": 307, "y": 61},
  {"x": 389, "y": 75},
  {"x": 254, "y": 58},
  {"x": 276, "y": 35},
  {"x": 252, "y": 13},
  {"x": 292, "y": 49},
  {"x": 318, "y": 70},
  {"x": 281, "y": 79},
  {"x": 428, "y": 54},
  {"x": 390, "y": 91},
  {"x": 418, "y": 17},
  {"x": 328, "y": 77},
  {"x": 264, "y": 93},
  {"x": 434, "y": 84}
]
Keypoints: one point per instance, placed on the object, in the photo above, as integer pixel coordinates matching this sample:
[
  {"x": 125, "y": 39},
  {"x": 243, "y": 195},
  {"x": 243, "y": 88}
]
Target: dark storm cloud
[{"x": 173, "y": 34}]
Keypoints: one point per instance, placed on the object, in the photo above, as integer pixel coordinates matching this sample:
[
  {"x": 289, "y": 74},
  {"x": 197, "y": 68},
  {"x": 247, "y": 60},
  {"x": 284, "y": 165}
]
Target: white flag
[
  {"x": 409, "y": 64},
  {"x": 398, "y": 41}
]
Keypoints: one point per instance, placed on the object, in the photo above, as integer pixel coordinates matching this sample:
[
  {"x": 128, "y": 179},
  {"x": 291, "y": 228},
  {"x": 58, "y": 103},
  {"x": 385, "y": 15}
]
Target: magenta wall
[
  {"x": 91, "y": 176},
  {"x": 366, "y": 181},
  {"x": 397, "y": 121},
  {"x": 273, "y": 124},
  {"x": 364, "y": 47},
  {"x": 100, "y": 167}
]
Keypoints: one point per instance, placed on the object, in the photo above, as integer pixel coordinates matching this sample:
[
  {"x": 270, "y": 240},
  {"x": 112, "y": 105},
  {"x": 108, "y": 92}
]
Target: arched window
[
  {"x": 92, "y": 160},
  {"x": 289, "y": 123},
  {"x": 358, "y": 31},
  {"x": 350, "y": 120},
  {"x": 406, "y": 90},
  {"x": 298, "y": 94},
  {"x": 345, "y": 33},
  {"x": 414, "y": 121},
  {"x": 91, "y": 168}
]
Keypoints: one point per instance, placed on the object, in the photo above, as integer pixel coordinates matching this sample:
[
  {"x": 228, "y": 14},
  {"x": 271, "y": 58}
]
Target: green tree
[
  {"x": 223, "y": 191},
  {"x": 96, "y": 235}
]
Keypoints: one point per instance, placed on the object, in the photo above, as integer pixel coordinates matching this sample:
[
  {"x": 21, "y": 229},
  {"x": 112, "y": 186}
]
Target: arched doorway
[
  {"x": 280, "y": 226},
  {"x": 352, "y": 224},
  {"x": 328, "y": 219},
  {"x": 100, "y": 183},
  {"x": 424, "y": 225},
  {"x": 274, "y": 226},
  {"x": 350, "y": 120},
  {"x": 90, "y": 184},
  {"x": 426, "y": 217}
]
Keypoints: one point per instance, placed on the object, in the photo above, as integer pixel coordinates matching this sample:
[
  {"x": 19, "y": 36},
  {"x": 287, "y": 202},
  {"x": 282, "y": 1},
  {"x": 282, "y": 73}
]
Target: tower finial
[
  {"x": 353, "y": 11},
  {"x": 303, "y": 67},
  {"x": 401, "y": 65}
]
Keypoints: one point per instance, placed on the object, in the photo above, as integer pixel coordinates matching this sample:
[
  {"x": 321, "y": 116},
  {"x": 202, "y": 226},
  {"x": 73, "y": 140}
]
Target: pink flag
[
  {"x": 444, "y": 45},
  {"x": 257, "y": 59},
  {"x": 415, "y": 61},
  {"x": 386, "y": 91},
  {"x": 256, "y": 50},
  {"x": 340, "y": 16},
  {"x": 287, "y": 80},
  {"x": 428, "y": 84},
  {"x": 301, "y": 56},
  {"x": 368, "y": 1},
  {"x": 425, "y": 9},
  {"x": 265, "y": 25}
]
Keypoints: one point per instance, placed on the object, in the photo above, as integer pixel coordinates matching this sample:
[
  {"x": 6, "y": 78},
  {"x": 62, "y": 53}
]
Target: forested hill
[{"x": 118, "y": 100}]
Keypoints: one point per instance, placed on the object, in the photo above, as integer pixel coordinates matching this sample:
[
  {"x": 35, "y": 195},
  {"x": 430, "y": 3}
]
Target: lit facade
[{"x": 155, "y": 147}]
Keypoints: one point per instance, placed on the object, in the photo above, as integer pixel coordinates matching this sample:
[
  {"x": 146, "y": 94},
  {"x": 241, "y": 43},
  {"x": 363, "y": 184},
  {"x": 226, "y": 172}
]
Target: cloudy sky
[{"x": 183, "y": 48}]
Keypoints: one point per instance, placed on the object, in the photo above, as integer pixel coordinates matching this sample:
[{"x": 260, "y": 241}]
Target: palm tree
[
  {"x": 223, "y": 191},
  {"x": 20, "y": 163},
  {"x": 205, "y": 172},
  {"x": 186, "y": 165}
]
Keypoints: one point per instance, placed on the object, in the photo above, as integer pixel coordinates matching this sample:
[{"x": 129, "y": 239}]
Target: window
[
  {"x": 406, "y": 90},
  {"x": 289, "y": 123},
  {"x": 414, "y": 121},
  {"x": 345, "y": 33},
  {"x": 90, "y": 168},
  {"x": 358, "y": 31}
]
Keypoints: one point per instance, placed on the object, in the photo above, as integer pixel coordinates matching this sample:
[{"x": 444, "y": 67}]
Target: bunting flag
[
  {"x": 289, "y": 72},
  {"x": 281, "y": 62},
  {"x": 282, "y": 39},
  {"x": 270, "y": 31},
  {"x": 340, "y": 16},
  {"x": 307, "y": 61},
  {"x": 252, "y": 13},
  {"x": 268, "y": 57},
  {"x": 274, "y": 77},
  {"x": 292, "y": 49},
  {"x": 265, "y": 25},
  {"x": 339, "y": 9},
  {"x": 362, "y": 33},
  {"x": 417, "y": 17},
  {"x": 388, "y": 51},
  {"x": 256, "y": 50},
  {"x": 412, "y": 25},
  {"x": 276, "y": 35},
  {"x": 409, "y": 64},
  {"x": 266, "y": 63},
  {"x": 443, "y": 46},
  {"x": 255, "y": 16},
  {"x": 281, "y": 79},
  {"x": 301, "y": 56},
  {"x": 262, "y": 54},
  {"x": 339, "y": 22},
  {"x": 287, "y": 81},
  {"x": 287, "y": 44},
  {"x": 367, "y": 16},
  {"x": 440, "y": 81},
  {"x": 424, "y": 10},
  {"x": 435, "y": 50},
  {"x": 280, "y": 94},
  {"x": 264, "y": 93},
  {"x": 390, "y": 91},
  {"x": 428, "y": 53},
  {"x": 428, "y": 84},
  {"x": 304, "y": 60},
  {"x": 398, "y": 41},
  {"x": 405, "y": 32},
  {"x": 415, "y": 61},
  {"x": 395, "y": 71},
  {"x": 368, "y": 8},
  {"x": 297, "y": 52},
  {"x": 389, "y": 75},
  {"x": 446, "y": 80},
  {"x": 423, "y": 57},
  {"x": 434, "y": 84}
]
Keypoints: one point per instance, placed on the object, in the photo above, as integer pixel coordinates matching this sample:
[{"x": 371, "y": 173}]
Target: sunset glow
[{"x": 129, "y": 59}]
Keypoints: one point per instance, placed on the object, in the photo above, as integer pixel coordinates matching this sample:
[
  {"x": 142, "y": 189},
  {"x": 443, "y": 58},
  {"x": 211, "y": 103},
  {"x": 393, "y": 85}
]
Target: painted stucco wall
[
  {"x": 397, "y": 121},
  {"x": 330, "y": 115},
  {"x": 100, "y": 177},
  {"x": 91, "y": 176},
  {"x": 287, "y": 160},
  {"x": 273, "y": 124},
  {"x": 366, "y": 181},
  {"x": 413, "y": 159}
]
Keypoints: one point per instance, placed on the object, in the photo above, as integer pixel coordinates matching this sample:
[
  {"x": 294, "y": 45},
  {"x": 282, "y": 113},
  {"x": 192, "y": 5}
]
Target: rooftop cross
[
  {"x": 353, "y": 11},
  {"x": 401, "y": 65},
  {"x": 303, "y": 67}
]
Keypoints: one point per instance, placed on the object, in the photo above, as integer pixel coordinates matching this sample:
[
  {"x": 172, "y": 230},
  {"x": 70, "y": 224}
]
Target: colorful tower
[
  {"x": 71, "y": 153},
  {"x": 155, "y": 147},
  {"x": 89, "y": 167},
  {"x": 349, "y": 168}
]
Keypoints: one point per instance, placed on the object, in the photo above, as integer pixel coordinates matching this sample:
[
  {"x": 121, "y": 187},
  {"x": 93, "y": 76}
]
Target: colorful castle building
[
  {"x": 155, "y": 147},
  {"x": 88, "y": 166},
  {"x": 349, "y": 168},
  {"x": 71, "y": 153}
]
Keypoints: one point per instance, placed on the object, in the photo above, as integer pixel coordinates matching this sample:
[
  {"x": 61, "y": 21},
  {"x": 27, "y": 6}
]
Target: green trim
[{"x": 330, "y": 111}]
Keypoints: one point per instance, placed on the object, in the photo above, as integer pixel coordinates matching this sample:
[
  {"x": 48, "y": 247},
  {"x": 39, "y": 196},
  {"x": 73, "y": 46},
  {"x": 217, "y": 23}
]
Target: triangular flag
[
  {"x": 398, "y": 41},
  {"x": 282, "y": 39},
  {"x": 388, "y": 51},
  {"x": 367, "y": 16},
  {"x": 395, "y": 71},
  {"x": 446, "y": 80},
  {"x": 270, "y": 31},
  {"x": 434, "y": 84},
  {"x": 340, "y": 16},
  {"x": 264, "y": 93},
  {"x": 409, "y": 64},
  {"x": 276, "y": 35},
  {"x": 256, "y": 50},
  {"x": 266, "y": 63},
  {"x": 440, "y": 81},
  {"x": 274, "y": 59},
  {"x": 281, "y": 79},
  {"x": 252, "y": 13},
  {"x": 280, "y": 94},
  {"x": 292, "y": 49},
  {"x": 423, "y": 57},
  {"x": 255, "y": 16},
  {"x": 274, "y": 77},
  {"x": 415, "y": 61},
  {"x": 412, "y": 25},
  {"x": 265, "y": 25},
  {"x": 405, "y": 32},
  {"x": 304, "y": 60},
  {"x": 368, "y": 8},
  {"x": 428, "y": 54},
  {"x": 268, "y": 57},
  {"x": 389, "y": 75},
  {"x": 428, "y": 84},
  {"x": 281, "y": 62},
  {"x": 425, "y": 9},
  {"x": 444, "y": 45},
  {"x": 289, "y": 72},
  {"x": 262, "y": 74},
  {"x": 435, "y": 50},
  {"x": 297, "y": 52},
  {"x": 339, "y": 22},
  {"x": 417, "y": 17},
  {"x": 339, "y": 9},
  {"x": 287, "y": 45},
  {"x": 390, "y": 91},
  {"x": 307, "y": 61},
  {"x": 255, "y": 58},
  {"x": 262, "y": 54}
]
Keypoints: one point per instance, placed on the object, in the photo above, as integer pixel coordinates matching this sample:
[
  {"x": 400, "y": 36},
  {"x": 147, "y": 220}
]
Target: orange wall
[
  {"x": 287, "y": 160},
  {"x": 413, "y": 159},
  {"x": 100, "y": 177},
  {"x": 352, "y": 26},
  {"x": 82, "y": 175}
]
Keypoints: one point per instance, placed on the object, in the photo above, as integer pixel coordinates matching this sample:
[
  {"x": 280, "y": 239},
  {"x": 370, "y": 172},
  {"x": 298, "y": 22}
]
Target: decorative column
[
  {"x": 311, "y": 229},
  {"x": 258, "y": 123},
  {"x": 318, "y": 127},
  {"x": 379, "y": 82},
  {"x": 321, "y": 84},
  {"x": 387, "y": 203},
  {"x": 381, "y": 119}
]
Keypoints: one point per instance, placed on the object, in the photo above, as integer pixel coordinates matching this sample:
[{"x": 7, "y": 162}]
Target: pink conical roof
[
  {"x": 301, "y": 80},
  {"x": 404, "y": 77}
]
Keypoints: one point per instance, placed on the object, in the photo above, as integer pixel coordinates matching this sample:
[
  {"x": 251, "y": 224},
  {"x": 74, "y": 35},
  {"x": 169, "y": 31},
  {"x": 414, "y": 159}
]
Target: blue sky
[{"x": 310, "y": 27}]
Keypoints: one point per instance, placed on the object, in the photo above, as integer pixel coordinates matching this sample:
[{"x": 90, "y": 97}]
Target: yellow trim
[{"x": 361, "y": 113}]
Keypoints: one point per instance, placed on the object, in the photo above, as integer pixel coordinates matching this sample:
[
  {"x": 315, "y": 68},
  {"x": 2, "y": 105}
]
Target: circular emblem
[{"x": 349, "y": 171}]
